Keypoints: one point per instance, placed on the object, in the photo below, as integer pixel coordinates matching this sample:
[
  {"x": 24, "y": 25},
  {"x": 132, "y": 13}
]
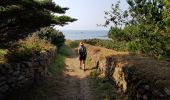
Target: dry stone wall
[
  {"x": 17, "y": 75},
  {"x": 125, "y": 75}
]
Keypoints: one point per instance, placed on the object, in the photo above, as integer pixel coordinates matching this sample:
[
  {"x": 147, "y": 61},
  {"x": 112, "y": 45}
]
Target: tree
[
  {"x": 116, "y": 16},
  {"x": 18, "y": 18},
  {"x": 146, "y": 26},
  {"x": 148, "y": 13}
]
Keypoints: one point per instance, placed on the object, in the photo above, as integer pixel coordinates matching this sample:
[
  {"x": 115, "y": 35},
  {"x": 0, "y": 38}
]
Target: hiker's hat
[{"x": 81, "y": 43}]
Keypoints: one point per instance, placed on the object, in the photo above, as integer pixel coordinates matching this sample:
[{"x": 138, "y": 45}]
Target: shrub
[
  {"x": 133, "y": 46},
  {"x": 118, "y": 34},
  {"x": 29, "y": 47},
  {"x": 144, "y": 39},
  {"x": 36, "y": 44},
  {"x": 152, "y": 44},
  {"x": 54, "y": 36},
  {"x": 20, "y": 54}
]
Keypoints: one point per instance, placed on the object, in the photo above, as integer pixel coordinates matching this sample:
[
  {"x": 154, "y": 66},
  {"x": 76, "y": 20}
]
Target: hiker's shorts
[{"x": 82, "y": 57}]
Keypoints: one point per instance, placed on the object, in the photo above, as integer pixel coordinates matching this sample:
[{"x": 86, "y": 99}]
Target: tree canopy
[
  {"x": 18, "y": 18},
  {"x": 144, "y": 25}
]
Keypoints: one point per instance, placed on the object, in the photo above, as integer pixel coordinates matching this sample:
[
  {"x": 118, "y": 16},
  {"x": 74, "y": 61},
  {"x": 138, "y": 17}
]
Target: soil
[
  {"x": 74, "y": 83},
  {"x": 70, "y": 83}
]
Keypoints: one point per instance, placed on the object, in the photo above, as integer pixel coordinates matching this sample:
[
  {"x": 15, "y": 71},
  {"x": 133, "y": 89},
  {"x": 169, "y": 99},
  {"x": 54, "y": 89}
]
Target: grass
[
  {"x": 3, "y": 52},
  {"x": 109, "y": 44},
  {"x": 59, "y": 61},
  {"x": 72, "y": 44},
  {"x": 104, "y": 90}
]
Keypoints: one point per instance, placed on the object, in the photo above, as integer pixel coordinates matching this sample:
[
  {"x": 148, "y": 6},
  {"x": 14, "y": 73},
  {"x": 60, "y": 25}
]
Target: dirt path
[{"x": 74, "y": 84}]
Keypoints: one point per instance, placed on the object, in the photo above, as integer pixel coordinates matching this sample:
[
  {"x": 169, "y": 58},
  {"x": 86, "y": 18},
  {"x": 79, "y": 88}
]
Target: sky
[{"x": 88, "y": 12}]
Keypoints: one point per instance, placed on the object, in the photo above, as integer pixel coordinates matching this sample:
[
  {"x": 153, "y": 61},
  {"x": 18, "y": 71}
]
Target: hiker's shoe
[
  {"x": 80, "y": 68},
  {"x": 84, "y": 70}
]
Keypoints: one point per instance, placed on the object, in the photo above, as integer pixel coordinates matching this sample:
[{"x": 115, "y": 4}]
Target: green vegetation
[
  {"x": 144, "y": 26},
  {"x": 105, "y": 90},
  {"x": 26, "y": 28},
  {"x": 22, "y": 17},
  {"x": 59, "y": 62},
  {"x": 73, "y": 44},
  {"x": 110, "y": 44},
  {"x": 29, "y": 47},
  {"x": 54, "y": 36},
  {"x": 3, "y": 52}
]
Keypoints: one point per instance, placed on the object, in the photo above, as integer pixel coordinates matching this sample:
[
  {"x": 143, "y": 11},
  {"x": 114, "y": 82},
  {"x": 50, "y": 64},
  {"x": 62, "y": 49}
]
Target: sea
[{"x": 85, "y": 34}]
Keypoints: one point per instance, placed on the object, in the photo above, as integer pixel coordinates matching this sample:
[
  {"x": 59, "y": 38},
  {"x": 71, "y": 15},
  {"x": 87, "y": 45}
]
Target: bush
[
  {"x": 152, "y": 44},
  {"x": 143, "y": 39},
  {"x": 36, "y": 44},
  {"x": 118, "y": 34},
  {"x": 29, "y": 47},
  {"x": 54, "y": 36},
  {"x": 133, "y": 46}
]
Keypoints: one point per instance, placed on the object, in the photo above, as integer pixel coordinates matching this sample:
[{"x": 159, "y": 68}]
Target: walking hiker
[{"x": 82, "y": 55}]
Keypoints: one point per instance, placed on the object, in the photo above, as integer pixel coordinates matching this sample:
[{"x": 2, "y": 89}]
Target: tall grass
[
  {"x": 3, "y": 52},
  {"x": 109, "y": 44}
]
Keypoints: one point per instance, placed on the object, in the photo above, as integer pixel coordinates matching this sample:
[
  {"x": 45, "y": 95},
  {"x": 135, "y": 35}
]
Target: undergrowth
[{"x": 28, "y": 48}]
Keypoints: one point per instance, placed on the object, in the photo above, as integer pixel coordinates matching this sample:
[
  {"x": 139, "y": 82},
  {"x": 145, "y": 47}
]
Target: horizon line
[{"x": 85, "y": 29}]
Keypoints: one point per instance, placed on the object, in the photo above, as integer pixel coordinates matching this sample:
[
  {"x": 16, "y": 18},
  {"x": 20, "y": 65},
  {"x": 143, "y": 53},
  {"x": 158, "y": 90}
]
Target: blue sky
[{"x": 88, "y": 12}]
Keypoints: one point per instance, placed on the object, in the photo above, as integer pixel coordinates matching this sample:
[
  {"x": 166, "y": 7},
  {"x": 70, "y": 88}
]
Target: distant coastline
[{"x": 85, "y": 34}]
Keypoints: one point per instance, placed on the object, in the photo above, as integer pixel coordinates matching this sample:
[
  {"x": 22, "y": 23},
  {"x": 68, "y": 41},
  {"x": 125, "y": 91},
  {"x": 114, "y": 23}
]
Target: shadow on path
[{"x": 63, "y": 83}]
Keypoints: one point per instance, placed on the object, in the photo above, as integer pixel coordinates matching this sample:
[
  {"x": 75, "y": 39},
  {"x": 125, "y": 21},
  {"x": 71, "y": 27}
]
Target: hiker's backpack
[{"x": 82, "y": 51}]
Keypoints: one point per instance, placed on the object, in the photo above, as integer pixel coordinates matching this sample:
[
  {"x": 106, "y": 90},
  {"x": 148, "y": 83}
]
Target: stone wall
[
  {"x": 17, "y": 75},
  {"x": 128, "y": 75}
]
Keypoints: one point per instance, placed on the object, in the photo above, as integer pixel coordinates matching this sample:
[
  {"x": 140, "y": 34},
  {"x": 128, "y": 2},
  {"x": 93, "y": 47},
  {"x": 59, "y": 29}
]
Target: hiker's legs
[
  {"x": 80, "y": 64},
  {"x": 84, "y": 64}
]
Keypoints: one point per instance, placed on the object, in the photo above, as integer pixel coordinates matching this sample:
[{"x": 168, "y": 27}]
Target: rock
[
  {"x": 20, "y": 78},
  {"x": 2, "y": 78},
  {"x": 2, "y": 83},
  {"x": 141, "y": 91},
  {"x": 4, "y": 88},
  {"x": 16, "y": 73},
  {"x": 2, "y": 70},
  {"x": 10, "y": 70},
  {"x": 17, "y": 67},
  {"x": 167, "y": 91},
  {"x": 138, "y": 95},
  {"x": 11, "y": 80},
  {"x": 7, "y": 66},
  {"x": 145, "y": 97},
  {"x": 146, "y": 87},
  {"x": 156, "y": 93},
  {"x": 28, "y": 64}
]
